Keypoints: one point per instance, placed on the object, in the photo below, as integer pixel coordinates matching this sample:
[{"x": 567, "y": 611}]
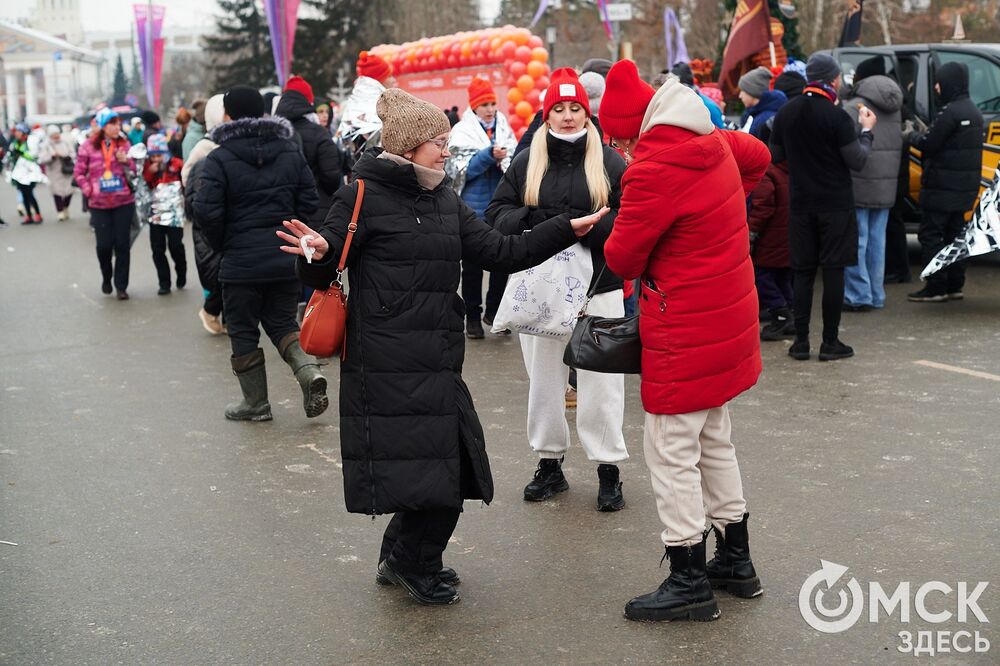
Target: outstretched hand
[
  {"x": 583, "y": 225},
  {"x": 296, "y": 232}
]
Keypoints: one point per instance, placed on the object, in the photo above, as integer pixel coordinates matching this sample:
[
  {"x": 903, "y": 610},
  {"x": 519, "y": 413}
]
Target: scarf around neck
[
  {"x": 569, "y": 138},
  {"x": 429, "y": 179},
  {"x": 815, "y": 88}
]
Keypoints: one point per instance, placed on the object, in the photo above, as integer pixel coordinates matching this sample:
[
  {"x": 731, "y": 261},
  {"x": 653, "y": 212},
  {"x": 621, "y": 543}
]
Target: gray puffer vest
[{"x": 875, "y": 184}]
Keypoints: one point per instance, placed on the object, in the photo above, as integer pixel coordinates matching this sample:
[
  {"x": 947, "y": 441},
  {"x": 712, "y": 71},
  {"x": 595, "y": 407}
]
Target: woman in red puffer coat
[{"x": 682, "y": 229}]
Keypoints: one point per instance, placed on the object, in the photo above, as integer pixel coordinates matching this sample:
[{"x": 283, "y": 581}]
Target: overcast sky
[{"x": 117, "y": 14}]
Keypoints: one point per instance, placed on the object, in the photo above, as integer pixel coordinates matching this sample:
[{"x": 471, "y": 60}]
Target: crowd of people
[{"x": 802, "y": 183}]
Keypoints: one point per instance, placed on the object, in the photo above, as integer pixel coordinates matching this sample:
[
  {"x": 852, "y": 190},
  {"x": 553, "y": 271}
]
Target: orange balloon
[
  {"x": 524, "y": 110},
  {"x": 521, "y": 36},
  {"x": 514, "y": 96},
  {"x": 539, "y": 54},
  {"x": 466, "y": 48},
  {"x": 525, "y": 83},
  {"x": 536, "y": 69}
]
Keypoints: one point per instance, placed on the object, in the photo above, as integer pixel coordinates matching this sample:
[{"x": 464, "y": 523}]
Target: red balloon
[
  {"x": 522, "y": 53},
  {"x": 509, "y": 48},
  {"x": 512, "y": 110},
  {"x": 535, "y": 41},
  {"x": 456, "y": 48},
  {"x": 518, "y": 69},
  {"x": 516, "y": 122},
  {"x": 452, "y": 61},
  {"x": 542, "y": 83},
  {"x": 532, "y": 98}
]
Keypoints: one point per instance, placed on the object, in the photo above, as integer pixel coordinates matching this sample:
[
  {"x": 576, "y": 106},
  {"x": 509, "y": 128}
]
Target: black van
[{"x": 914, "y": 65}]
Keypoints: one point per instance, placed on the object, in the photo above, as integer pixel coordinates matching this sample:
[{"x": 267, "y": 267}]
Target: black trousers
[
  {"x": 416, "y": 539},
  {"x": 62, "y": 203},
  {"x": 160, "y": 238},
  {"x": 472, "y": 292},
  {"x": 28, "y": 196},
  {"x": 252, "y": 305},
  {"x": 897, "y": 254},
  {"x": 112, "y": 227},
  {"x": 213, "y": 302},
  {"x": 937, "y": 229},
  {"x": 833, "y": 301}
]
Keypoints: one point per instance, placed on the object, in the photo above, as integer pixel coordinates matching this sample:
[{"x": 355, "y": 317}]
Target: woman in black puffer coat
[
  {"x": 410, "y": 438},
  {"x": 254, "y": 179}
]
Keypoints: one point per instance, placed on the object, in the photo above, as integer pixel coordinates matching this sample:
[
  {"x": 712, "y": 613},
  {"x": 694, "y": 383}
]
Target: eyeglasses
[{"x": 440, "y": 143}]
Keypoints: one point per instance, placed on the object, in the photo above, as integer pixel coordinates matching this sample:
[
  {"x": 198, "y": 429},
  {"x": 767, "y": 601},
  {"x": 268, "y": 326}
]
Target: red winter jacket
[
  {"x": 682, "y": 227},
  {"x": 769, "y": 218}
]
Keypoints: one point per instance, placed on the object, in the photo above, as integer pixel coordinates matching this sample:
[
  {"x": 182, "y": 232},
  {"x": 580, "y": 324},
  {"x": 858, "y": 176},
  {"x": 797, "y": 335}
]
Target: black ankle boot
[
  {"x": 781, "y": 326},
  {"x": 609, "y": 495},
  {"x": 548, "y": 481},
  {"x": 732, "y": 569},
  {"x": 447, "y": 575},
  {"x": 426, "y": 588},
  {"x": 684, "y": 595}
]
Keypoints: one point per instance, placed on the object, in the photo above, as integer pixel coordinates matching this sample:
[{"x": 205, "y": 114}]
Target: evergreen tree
[
  {"x": 135, "y": 80},
  {"x": 240, "y": 50},
  {"x": 120, "y": 87}
]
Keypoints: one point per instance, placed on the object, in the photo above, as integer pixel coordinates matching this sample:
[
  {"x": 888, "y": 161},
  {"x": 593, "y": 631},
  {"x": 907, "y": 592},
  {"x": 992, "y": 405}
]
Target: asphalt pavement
[{"x": 138, "y": 526}]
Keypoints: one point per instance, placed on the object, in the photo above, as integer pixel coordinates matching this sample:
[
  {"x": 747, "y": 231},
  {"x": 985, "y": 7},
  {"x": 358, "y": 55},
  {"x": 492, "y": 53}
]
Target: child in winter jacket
[
  {"x": 768, "y": 222},
  {"x": 162, "y": 174}
]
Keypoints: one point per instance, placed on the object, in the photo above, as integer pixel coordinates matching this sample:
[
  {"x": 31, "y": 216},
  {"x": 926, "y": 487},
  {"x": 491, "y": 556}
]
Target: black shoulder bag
[{"x": 604, "y": 344}]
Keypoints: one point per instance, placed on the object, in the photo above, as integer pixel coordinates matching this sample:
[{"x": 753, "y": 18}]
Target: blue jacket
[
  {"x": 481, "y": 180},
  {"x": 770, "y": 103},
  {"x": 713, "y": 110}
]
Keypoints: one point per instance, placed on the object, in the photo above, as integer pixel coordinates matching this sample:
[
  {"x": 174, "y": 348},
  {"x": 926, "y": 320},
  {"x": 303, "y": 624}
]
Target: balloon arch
[{"x": 439, "y": 69}]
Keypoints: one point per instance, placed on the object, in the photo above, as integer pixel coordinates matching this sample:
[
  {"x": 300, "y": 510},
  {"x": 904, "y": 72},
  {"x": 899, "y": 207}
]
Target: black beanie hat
[
  {"x": 822, "y": 67},
  {"x": 870, "y": 67},
  {"x": 791, "y": 83},
  {"x": 243, "y": 102},
  {"x": 149, "y": 118},
  {"x": 682, "y": 71}
]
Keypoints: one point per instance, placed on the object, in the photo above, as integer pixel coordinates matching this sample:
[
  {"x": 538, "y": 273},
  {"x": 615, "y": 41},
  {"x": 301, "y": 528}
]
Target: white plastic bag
[{"x": 545, "y": 300}]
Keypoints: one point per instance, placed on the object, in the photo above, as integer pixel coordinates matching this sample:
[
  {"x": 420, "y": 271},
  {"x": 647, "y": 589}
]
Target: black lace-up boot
[
  {"x": 548, "y": 481},
  {"x": 732, "y": 569}
]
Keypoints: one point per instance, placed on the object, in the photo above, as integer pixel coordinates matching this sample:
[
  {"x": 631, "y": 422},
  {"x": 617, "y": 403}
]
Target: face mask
[{"x": 569, "y": 138}]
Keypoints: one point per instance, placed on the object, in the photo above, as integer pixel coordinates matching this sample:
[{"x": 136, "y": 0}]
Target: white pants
[
  {"x": 600, "y": 397},
  {"x": 692, "y": 465}
]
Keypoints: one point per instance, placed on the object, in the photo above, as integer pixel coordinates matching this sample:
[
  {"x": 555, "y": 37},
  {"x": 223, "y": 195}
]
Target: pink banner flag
[
  {"x": 282, "y": 18},
  {"x": 149, "y": 27}
]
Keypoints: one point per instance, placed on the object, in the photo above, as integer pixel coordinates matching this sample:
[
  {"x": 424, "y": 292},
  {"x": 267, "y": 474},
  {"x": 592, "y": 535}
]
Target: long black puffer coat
[
  {"x": 563, "y": 190},
  {"x": 206, "y": 259},
  {"x": 406, "y": 418},
  {"x": 322, "y": 154},
  {"x": 256, "y": 178},
  {"x": 952, "y": 149}
]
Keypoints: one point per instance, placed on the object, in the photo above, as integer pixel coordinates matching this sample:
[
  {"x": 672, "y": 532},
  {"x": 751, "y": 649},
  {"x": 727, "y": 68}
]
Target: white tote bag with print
[{"x": 545, "y": 300}]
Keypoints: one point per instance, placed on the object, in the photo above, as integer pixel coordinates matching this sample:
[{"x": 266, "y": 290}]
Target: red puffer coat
[{"x": 682, "y": 226}]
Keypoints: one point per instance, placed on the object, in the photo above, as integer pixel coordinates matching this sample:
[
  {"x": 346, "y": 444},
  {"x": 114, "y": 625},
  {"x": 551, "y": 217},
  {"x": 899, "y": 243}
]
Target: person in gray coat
[{"x": 875, "y": 184}]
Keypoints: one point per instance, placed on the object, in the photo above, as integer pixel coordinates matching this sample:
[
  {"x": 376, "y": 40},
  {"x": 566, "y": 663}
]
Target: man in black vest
[{"x": 952, "y": 154}]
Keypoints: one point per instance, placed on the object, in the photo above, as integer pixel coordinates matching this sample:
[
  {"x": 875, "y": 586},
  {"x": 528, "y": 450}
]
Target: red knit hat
[
  {"x": 625, "y": 100},
  {"x": 565, "y": 87},
  {"x": 480, "y": 92},
  {"x": 373, "y": 66},
  {"x": 301, "y": 86}
]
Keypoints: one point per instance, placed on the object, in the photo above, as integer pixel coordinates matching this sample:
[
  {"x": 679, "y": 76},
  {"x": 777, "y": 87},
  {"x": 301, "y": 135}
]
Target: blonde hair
[{"x": 593, "y": 167}]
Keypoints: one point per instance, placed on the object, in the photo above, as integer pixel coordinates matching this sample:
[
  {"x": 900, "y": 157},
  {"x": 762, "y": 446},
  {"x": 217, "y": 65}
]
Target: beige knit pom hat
[{"x": 407, "y": 121}]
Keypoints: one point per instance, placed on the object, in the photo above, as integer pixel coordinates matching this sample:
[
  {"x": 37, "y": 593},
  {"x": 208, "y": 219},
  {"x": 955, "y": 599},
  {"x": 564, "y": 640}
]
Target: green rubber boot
[
  {"x": 307, "y": 373},
  {"x": 249, "y": 369}
]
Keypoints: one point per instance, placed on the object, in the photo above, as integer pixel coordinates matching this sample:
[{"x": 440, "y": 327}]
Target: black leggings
[
  {"x": 833, "y": 301},
  {"x": 113, "y": 227},
  {"x": 28, "y": 196}
]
